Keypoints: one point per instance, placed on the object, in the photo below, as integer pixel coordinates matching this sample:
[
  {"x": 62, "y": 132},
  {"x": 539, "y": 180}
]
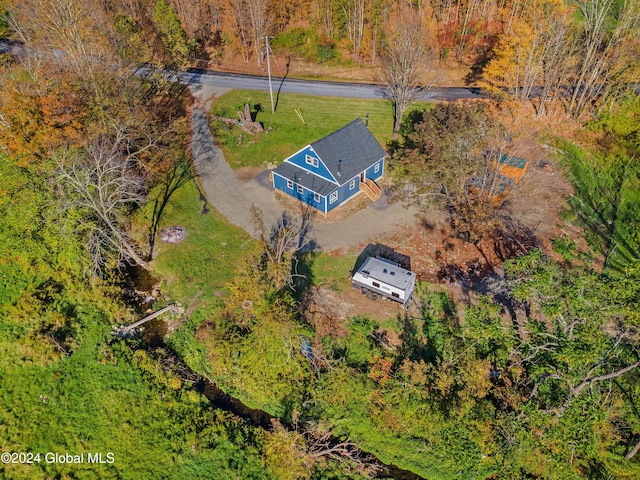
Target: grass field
[
  {"x": 331, "y": 270},
  {"x": 206, "y": 260},
  {"x": 287, "y": 133}
]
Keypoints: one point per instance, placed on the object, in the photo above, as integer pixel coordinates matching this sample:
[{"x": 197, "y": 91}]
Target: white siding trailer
[{"x": 386, "y": 278}]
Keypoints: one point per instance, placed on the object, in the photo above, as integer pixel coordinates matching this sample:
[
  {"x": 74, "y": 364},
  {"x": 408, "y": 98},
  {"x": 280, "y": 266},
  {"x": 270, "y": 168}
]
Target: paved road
[
  {"x": 312, "y": 87},
  {"x": 283, "y": 85}
]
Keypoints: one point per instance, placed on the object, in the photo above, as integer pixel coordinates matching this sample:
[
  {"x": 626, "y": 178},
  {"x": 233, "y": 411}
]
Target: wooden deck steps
[{"x": 371, "y": 189}]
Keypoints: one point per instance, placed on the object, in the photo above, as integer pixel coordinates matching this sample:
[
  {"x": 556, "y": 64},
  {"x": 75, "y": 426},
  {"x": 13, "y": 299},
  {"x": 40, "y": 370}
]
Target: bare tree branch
[
  {"x": 600, "y": 378},
  {"x": 103, "y": 183},
  {"x": 404, "y": 64},
  {"x": 280, "y": 244}
]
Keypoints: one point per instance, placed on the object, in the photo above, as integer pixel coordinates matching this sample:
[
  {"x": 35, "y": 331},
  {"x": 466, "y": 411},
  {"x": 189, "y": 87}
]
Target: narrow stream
[{"x": 153, "y": 336}]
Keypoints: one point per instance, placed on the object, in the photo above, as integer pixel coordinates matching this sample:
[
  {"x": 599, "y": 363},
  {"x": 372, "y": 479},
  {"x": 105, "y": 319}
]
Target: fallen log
[
  {"x": 245, "y": 121},
  {"x": 127, "y": 330}
]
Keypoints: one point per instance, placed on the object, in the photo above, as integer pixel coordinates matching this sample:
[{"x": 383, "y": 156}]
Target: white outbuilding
[{"x": 384, "y": 277}]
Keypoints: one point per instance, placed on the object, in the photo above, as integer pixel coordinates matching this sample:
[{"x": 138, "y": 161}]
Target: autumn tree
[
  {"x": 554, "y": 45},
  {"x": 379, "y": 16},
  {"x": 547, "y": 56},
  {"x": 171, "y": 32},
  {"x": 608, "y": 53},
  {"x": 41, "y": 114},
  {"x": 239, "y": 26},
  {"x": 404, "y": 63},
  {"x": 326, "y": 17},
  {"x": 441, "y": 150},
  {"x": 201, "y": 21},
  {"x": 525, "y": 56},
  {"x": 260, "y": 21},
  {"x": 74, "y": 36},
  {"x": 354, "y": 16},
  {"x": 253, "y": 21}
]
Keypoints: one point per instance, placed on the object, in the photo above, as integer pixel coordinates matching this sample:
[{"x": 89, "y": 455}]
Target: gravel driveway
[{"x": 234, "y": 197}]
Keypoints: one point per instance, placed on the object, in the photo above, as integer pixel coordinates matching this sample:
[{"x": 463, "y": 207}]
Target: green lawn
[
  {"x": 206, "y": 260},
  {"x": 331, "y": 270},
  {"x": 287, "y": 134}
]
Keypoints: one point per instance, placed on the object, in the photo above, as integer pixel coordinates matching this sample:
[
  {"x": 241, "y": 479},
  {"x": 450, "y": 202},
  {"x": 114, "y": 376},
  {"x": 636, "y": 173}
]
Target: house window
[
  {"x": 376, "y": 284},
  {"x": 352, "y": 184},
  {"x": 300, "y": 189},
  {"x": 311, "y": 161},
  {"x": 316, "y": 197},
  {"x": 333, "y": 197},
  {"x": 289, "y": 184},
  {"x": 394, "y": 294},
  {"x": 376, "y": 168}
]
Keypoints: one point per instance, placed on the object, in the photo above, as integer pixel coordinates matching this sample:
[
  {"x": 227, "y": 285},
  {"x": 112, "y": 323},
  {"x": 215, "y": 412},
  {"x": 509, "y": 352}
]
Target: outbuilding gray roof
[
  {"x": 349, "y": 151},
  {"x": 387, "y": 272}
]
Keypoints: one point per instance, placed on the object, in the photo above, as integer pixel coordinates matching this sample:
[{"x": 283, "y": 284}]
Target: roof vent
[
  {"x": 392, "y": 272},
  {"x": 384, "y": 270},
  {"x": 339, "y": 168}
]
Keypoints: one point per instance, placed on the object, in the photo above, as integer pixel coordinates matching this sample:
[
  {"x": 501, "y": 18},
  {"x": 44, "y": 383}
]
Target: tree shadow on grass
[
  {"x": 609, "y": 218},
  {"x": 180, "y": 174}
]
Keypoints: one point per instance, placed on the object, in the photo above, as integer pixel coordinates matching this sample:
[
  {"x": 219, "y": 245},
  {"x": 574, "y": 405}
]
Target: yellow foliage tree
[
  {"x": 530, "y": 52},
  {"x": 286, "y": 455}
]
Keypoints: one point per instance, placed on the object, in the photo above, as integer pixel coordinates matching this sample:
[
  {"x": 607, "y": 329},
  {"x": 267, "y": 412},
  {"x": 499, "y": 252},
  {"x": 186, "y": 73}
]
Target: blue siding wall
[
  {"x": 299, "y": 159},
  {"x": 371, "y": 173},
  {"x": 306, "y": 196},
  {"x": 344, "y": 193}
]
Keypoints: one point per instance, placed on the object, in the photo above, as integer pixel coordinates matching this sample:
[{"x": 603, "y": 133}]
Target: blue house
[{"x": 331, "y": 171}]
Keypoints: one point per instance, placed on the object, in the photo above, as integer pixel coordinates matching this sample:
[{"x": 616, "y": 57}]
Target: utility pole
[{"x": 266, "y": 39}]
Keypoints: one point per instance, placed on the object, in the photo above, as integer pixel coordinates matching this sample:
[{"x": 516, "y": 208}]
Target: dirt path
[{"x": 234, "y": 197}]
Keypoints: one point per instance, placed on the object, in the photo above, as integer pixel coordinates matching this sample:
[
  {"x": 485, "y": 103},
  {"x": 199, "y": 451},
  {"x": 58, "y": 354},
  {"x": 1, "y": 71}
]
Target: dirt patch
[
  {"x": 245, "y": 174},
  {"x": 532, "y": 218},
  {"x": 328, "y": 308},
  {"x": 538, "y": 199}
]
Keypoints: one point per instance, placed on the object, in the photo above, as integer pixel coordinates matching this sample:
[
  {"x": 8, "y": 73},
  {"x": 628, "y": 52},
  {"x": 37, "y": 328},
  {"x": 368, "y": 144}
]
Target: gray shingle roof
[
  {"x": 350, "y": 150},
  {"x": 303, "y": 177}
]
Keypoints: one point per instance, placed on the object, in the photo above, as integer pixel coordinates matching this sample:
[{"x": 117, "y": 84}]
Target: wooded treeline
[{"x": 576, "y": 54}]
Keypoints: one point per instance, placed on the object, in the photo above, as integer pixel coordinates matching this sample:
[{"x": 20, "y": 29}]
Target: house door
[{"x": 362, "y": 177}]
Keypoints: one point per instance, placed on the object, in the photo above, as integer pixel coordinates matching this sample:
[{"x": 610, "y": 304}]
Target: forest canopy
[{"x": 534, "y": 374}]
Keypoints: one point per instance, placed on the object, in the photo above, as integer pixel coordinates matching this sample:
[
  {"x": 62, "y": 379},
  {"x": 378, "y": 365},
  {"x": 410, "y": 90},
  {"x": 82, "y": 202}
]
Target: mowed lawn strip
[{"x": 287, "y": 134}]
